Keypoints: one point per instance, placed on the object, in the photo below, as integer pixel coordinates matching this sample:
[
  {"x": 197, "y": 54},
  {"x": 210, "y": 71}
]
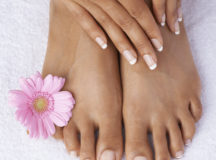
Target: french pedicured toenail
[
  {"x": 102, "y": 44},
  {"x": 150, "y": 62},
  {"x": 108, "y": 155},
  {"x": 157, "y": 45},
  {"x": 163, "y": 20},
  {"x": 129, "y": 56},
  {"x": 179, "y": 154},
  {"x": 73, "y": 155},
  {"x": 180, "y": 15},
  {"x": 140, "y": 158},
  {"x": 188, "y": 142},
  {"x": 177, "y": 28}
]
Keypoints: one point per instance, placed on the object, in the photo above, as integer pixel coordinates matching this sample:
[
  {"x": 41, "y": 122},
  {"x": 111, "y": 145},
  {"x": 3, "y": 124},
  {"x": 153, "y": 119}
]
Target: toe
[
  {"x": 110, "y": 142},
  {"x": 160, "y": 143},
  {"x": 176, "y": 143},
  {"x": 59, "y": 133},
  {"x": 87, "y": 138},
  {"x": 71, "y": 139},
  {"x": 196, "y": 108},
  {"x": 137, "y": 146},
  {"x": 187, "y": 126}
]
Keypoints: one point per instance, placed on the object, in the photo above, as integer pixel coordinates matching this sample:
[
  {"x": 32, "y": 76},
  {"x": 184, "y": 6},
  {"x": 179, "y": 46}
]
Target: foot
[
  {"x": 92, "y": 75},
  {"x": 164, "y": 102}
]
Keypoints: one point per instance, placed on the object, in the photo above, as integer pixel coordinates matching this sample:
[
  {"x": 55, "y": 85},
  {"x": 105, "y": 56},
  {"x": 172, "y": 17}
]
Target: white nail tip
[
  {"x": 102, "y": 44},
  {"x": 177, "y": 32},
  {"x": 73, "y": 154},
  {"x": 153, "y": 67},
  {"x": 132, "y": 62},
  {"x": 162, "y": 24},
  {"x": 160, "y": 49},
  {"x": 180, "y": 19},
  {"x": 179, "y": 154},
  {"x": 140, "y": 158}
]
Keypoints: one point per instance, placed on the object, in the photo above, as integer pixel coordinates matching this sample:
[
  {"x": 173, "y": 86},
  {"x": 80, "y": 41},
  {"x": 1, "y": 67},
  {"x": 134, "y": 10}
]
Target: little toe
[
  {"x": 160, "y": 143},
  {"x": 187, "y": 126},
  {"x": 176, "y": 143},
  {"x": 87, "y": 138},
  {"x": 196, "y": 108},
  {"x": 59, "y": 133},
  {"x": 110, "y": 142},
  {"x": 137, "y": 146},
  {"x": 71, "y": 140}
]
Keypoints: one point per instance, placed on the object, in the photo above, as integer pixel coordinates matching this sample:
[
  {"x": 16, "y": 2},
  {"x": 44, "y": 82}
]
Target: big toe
[{"x": 110, "y": 142}]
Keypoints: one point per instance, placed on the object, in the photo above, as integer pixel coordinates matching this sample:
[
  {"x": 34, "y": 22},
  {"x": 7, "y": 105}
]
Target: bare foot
[
  {"x": 92, "y": 75},
  {"x": 163, "y": 102}
]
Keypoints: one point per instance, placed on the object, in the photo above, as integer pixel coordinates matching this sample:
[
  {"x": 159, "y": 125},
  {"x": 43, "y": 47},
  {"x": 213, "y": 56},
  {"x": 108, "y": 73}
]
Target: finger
[
  {"x": 141, "y": 12},
  {"x": 172, "y": 20},
  {"x": 132, "y": 29},
  {"x": 179, "y": 11},
  {"x": 159, "y": 8},
  {"x": 117, "y": 36},
  {"x": 88, "y": 23}
]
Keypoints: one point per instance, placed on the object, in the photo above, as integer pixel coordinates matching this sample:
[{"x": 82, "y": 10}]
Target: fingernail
[
  {"x": 129, "y": 56},
  {"x": 108, "y": 155},
  {"x": 140, "y": 158},
  {"x": 177, "y": 28},
  {"x": 73, "y": 154},
  {"x": 179, "y": 154},
  {"x": 180, "y": 15},
  {"x": 163, "y": 20},
  {"x": 150, "y": 62},
  {"x": 157, "y": 45},
  {"x": 188, "y": 142},
  {"x": 102, "y": 44}
]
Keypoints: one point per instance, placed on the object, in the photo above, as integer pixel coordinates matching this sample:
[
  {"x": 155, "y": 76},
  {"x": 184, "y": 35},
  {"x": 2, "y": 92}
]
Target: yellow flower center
[{"x": 40, "y": 104}]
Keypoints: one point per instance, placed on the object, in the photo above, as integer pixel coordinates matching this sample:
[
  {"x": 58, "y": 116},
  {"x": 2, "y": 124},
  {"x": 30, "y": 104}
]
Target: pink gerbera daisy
[{"x": 40, "y": 104}]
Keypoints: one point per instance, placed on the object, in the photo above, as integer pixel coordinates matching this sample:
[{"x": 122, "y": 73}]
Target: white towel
[{"x": 23, "y": 41}]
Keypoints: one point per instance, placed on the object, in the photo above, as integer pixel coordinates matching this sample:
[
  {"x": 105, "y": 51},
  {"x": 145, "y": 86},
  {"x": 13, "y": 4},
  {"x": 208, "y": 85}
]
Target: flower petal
[
  {"x": 58, "y": 119},
  {"x": 48, "y": 83},
  {"x": 36, "y": 76},
  {"x": 58, "y": 83},
  {"x": 42, "y": 129},
  {"x": 62, "y": 96},
  {"x": 27, "y": 88},
  {"x": 18, "y": 98},
  {"x": 39, "y": 83},
  {"x": 33, "y": 129},
  {"x": 48, "y": 124}
]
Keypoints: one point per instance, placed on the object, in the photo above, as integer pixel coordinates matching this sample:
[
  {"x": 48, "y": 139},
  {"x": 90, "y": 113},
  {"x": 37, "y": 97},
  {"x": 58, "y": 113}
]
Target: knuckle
[
  {"x": 137, "y": 13},
  {"x": 125, "y": 23}
]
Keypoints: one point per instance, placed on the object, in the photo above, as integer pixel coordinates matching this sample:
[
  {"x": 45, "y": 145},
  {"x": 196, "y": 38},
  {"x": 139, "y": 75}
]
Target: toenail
[
  {"x": 73, "y": 155},
  {"x": 108, "y": 155},
  {"x": 140, "y": 158},
  {"x": 188, "y": 142},
  {"x": 179, "y": 154}
]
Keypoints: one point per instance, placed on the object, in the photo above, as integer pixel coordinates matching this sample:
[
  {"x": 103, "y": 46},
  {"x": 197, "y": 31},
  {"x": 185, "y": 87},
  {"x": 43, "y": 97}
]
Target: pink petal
[
  {"x": 42, "y": 129},
  {"x": 26, "y": 87},
  {"x": 62, "y": 96},
  {"x": 28, "y": 118},
  {"x": 58, "y": 119},
  {"x": 18, "y": 98},
  {"x": 48, "y": 124},
  {"x": 33, "y": 129},
  {"x": 48, "y": 83},
  {"x": 36, "y": 76},
  {"x": 39, "y": 83},
  {"x": 65, "y": 115},
  {"x": 58, "y": 83}
]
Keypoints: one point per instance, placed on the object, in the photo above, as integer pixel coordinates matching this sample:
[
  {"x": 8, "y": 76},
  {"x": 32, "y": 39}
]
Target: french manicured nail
[
  {"x": 163, "y": 20},
  {"x": 180, "y": 15},
  {"x": 102, "y": 44},
  {"x": 179, "y": 154},
  {"x": 129, "y": 56},
  {"x": 108, "y": 155},
  {"x": 188, "y": 142},
  {"x": 177, "y": 28},
  {"x": 157, "y": 45},
  {"x": 73, "y": 154},
  {"x": 150, "y": 62},
  {"x": 140, "y": 158}
]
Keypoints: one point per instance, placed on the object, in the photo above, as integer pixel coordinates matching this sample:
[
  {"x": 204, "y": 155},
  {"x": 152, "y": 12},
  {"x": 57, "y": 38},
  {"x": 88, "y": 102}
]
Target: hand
[
  {"x": 128, "y": 23},
  {"x": 170, "y": 10}
]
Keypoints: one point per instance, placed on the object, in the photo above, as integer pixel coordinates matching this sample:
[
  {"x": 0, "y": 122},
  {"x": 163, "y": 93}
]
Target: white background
[{"x": 23, "y": 40}]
